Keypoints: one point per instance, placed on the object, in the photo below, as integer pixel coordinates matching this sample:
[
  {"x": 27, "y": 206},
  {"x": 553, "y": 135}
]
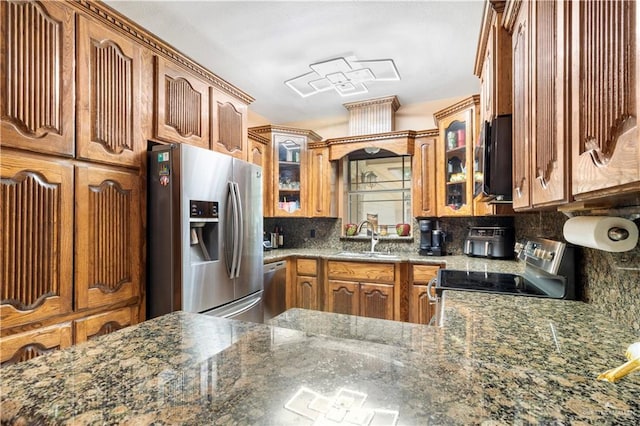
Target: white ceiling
[{"x": 258, "y": 45}]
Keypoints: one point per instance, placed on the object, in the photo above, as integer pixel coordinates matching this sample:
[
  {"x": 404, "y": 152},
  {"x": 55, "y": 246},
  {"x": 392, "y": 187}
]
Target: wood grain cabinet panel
[
  {"x": 108, "y": 236},
  {"x": 604, "y": 57},
  {"x": 376, "y": 300},
  {"x": 103, "y": 323},
  {"x": 424, "y": 175},
  {"x": 109, "y": 96},
  {"x": 260, "y": 154},
  {"x": 307, "y": 292},
  {"x": 182, "y": 105},
  {"x": 421, "y": 309},
  {"x": 37, "y": 76},
  {"x": 37, "y": 238},
  {"x": 322, "y": 179},
  {"x": 25, "y": 346},
  {"x": 343, "y": 297},
  {"x": 228, "y": 125}
]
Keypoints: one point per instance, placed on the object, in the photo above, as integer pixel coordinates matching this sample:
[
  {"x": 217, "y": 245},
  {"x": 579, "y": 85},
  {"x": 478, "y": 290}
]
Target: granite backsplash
[{"x": 611, "y": 281}]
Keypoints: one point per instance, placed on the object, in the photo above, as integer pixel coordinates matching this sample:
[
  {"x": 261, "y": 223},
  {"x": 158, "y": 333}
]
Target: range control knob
[{"x": 548, "y": 255}]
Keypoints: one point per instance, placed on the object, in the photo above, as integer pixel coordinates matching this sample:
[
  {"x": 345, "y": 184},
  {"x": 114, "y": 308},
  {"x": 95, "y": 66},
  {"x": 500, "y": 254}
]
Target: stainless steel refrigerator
[{"x": 204, "y": 234}]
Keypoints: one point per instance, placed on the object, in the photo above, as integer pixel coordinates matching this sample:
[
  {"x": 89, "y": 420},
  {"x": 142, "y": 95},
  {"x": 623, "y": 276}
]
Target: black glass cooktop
[{"x": 492, "y": 282}]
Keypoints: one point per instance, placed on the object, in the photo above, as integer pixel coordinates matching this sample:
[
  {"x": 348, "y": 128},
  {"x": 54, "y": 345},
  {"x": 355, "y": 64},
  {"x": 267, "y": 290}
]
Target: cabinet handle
[{"x": 543, "y": 182}]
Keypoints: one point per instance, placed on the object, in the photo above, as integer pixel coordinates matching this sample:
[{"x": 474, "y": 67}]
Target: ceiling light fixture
[{"x": 344, "y": 75}]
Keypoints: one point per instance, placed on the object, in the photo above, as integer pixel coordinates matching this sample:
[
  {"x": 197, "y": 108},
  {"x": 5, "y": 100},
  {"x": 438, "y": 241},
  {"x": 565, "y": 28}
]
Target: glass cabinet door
[
  {"x": 290, "y": 152},
  {"x": 458, "y": 166}
]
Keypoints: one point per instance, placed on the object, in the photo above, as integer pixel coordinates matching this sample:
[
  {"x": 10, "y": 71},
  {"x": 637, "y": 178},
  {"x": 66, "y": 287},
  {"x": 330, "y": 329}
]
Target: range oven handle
[{"x": 430, "y": 289}]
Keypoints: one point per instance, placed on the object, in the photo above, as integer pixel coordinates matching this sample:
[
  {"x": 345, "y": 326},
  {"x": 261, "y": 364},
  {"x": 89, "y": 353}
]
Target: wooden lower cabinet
[
  {"x": 307, "y": 284},
  {"x": 25, "y": 346},
  {"x": 369, "y": 289},
  {"x": 104, "y": 323},
  {"x": 421, "y": 308}
]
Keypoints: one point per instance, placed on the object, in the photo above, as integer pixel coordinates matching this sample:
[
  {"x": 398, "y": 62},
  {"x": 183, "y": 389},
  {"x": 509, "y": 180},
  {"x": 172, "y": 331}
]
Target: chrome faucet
[{"x": 374, "y": 236}]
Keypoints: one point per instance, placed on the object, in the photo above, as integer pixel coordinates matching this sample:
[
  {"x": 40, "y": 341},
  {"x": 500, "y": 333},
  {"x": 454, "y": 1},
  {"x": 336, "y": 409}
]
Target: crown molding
[
  {"x": 258, "y": 137},
  {"x": 393, "y": 100},
  {"x": 457, "y": 107},
  {"x": 270, "y": 128},
  {"x": 123, "y": 25}
]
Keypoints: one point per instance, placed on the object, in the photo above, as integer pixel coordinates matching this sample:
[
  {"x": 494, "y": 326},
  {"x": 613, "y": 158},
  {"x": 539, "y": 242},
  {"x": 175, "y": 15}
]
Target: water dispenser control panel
[{"x": 203, "y": 209}]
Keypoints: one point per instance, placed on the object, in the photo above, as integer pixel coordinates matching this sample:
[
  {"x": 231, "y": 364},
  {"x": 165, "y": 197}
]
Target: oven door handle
[{"x": 430, "y": 290}]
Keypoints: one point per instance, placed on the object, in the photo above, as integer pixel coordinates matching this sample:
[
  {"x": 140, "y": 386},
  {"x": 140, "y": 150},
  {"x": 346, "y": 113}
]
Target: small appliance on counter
[
  {"x": 490, "y": 241},
  {"x": 431, "y": 240}
]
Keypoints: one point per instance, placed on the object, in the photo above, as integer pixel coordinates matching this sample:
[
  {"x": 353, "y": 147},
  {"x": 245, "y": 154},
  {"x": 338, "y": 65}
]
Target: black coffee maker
[{"x": 431, "y": 240}]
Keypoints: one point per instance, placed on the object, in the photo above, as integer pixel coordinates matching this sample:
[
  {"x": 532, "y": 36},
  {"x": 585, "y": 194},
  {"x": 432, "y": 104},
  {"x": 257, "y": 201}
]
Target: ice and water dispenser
[{"x": 203, "y": 223}]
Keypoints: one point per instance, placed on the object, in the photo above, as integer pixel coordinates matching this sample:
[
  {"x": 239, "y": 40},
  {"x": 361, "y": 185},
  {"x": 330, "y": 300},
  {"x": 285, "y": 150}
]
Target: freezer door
[
  {"x": 249, "y": 308},
  {"x": 249, "y": 183}
]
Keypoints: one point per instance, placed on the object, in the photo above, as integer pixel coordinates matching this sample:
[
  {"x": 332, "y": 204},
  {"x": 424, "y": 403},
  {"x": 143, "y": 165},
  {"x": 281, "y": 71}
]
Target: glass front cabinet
[{"x": 457, "y": 166}]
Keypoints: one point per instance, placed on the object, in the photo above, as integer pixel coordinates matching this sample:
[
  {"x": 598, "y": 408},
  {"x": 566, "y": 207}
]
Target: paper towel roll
[{"x": 593, "y": 231}]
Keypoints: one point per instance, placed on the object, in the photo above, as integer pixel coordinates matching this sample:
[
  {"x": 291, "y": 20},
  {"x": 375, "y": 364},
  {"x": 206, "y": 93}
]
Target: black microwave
[{"x": 497, "y": 159}]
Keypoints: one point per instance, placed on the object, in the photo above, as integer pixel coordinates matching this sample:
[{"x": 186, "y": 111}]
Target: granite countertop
[
  {"x": 498, "y": 360},
  {"x": 459, "y": 262}
]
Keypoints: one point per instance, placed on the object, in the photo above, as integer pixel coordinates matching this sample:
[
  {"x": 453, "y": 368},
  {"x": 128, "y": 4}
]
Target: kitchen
[{"x": 609, "y": 284}]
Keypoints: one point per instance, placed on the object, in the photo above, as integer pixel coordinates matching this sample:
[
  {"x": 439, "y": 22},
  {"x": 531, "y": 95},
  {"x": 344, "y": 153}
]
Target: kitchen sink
[{"x": 374, "y": 255}]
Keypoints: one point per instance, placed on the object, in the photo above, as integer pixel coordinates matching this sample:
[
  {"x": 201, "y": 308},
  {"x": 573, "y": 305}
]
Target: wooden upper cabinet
[
  {"x": 109, "y": 96},
  {"x": 182, "y": 105},
  {"x": 322, "y": 181},
  {"x": 424, "y": 174},
  {"x": 37, "y": 76},
  {"x": 37, "y": 238},
  {"x": 521, "y": 107},
  {"x": 228, "y": 125},
  {"x": 260, "y": 155},
  {"x": 108, "y": 247},
  {"x": 604, "y": 101}
]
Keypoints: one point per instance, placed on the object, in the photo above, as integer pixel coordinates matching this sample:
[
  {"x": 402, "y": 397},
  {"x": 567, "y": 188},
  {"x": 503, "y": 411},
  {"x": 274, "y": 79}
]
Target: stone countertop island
[{"x": 497, "y": 360}]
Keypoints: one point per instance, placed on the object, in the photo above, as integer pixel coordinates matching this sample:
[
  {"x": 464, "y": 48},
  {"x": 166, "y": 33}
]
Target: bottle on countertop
[{"x": 280, "y": 237}]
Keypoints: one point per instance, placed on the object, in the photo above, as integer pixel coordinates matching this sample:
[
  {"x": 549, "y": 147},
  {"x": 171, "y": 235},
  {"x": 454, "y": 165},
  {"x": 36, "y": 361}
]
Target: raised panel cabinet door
[
  {"x": 36, "y": 195},
  {"x": 549, "y": 142},
  {"x": 108, "y": 236},
  {"x": 342, "y": 297},
  {"x": 323, "y": 176},
  {"x": 606, "y": 150},
  {"x": 98, "y": 325},
  {"x": 28, "y": 345},
  {"x": 260, "y": 154},
  {"x": 420, "y": 307},
  {"x": 307, "y": 296},
  {"x": 37, "y": 76},
  {"x": 424, "y": 176},
  {"x": 182, "y": 105},
  {"x": 228, "y": 124},
  {"x": 521, "y": 109},
  {"x": 376, "y": 301},
  {"x": 109, "y": 96}
]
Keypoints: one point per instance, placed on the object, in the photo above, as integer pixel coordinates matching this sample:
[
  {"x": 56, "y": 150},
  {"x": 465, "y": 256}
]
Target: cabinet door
[
  {"x": 36, "y": 195},
  {"x": 521, "y": 109},
  {"x": 606, "y": 151},
  {"x": 260, "y": 154},
  {"x": 424, "y": 177},
  {"x": 549, "y": 140},
  {"x": 104, "y": 323},
  {"x": 37, "y": 76},
  {"x": 290, "y": 179},
  {"x": 342, "y": 297},
  {"x": 420, "y": 307},
  {"x": 228, "y": 125},
  {"x": 307, "y": 293},
  {"x": 109, "y": 96},
  {"x": 455, "y": 192},
  {"x": 182, "y": 105},
  {"x": 25, "y": 346},
  {"x": 108, "y": 227},
  {"x": 376, "y": 301},
  {"x": 322, "y": 180}
]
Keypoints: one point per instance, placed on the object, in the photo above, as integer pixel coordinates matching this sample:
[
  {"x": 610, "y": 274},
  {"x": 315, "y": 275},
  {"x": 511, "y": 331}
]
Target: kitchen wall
[{"x": 605, "y": 284}]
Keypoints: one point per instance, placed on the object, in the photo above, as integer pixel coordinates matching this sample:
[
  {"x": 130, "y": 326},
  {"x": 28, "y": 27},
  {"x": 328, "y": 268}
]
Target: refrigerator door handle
[
  {"x": 231, "y": 232},
  {"x": 240, "y": 240}
]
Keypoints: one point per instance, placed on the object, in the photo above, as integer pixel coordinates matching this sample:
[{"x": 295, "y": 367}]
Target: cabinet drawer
[
  {"x": 104, "y": 323},
  {"x": 30, "y": 344},
  {"x": 424, "y": 273},
  {"x": 307, "y": 267},
  {"x": 362, "y": 271}
]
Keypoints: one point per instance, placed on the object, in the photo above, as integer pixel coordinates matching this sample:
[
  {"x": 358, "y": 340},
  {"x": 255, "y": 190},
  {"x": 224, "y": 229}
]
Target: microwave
[{"x": 497, "y": 159}]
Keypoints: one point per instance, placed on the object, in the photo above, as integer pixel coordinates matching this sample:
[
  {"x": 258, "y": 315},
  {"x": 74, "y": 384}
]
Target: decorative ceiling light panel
[{"x": 345, "y": 76}]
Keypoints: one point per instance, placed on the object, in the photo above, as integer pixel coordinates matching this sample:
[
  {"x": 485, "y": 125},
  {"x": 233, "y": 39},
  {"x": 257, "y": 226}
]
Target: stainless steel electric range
[{"x": 549, "y": 272}]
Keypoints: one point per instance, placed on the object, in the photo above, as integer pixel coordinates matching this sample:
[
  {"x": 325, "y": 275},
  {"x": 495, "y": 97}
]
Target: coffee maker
[{"x": 431, "y": 240}]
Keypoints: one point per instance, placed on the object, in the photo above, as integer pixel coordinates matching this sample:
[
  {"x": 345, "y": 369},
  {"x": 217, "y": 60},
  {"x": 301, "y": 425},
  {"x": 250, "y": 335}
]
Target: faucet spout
[{"x": 374, "y": 235}]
